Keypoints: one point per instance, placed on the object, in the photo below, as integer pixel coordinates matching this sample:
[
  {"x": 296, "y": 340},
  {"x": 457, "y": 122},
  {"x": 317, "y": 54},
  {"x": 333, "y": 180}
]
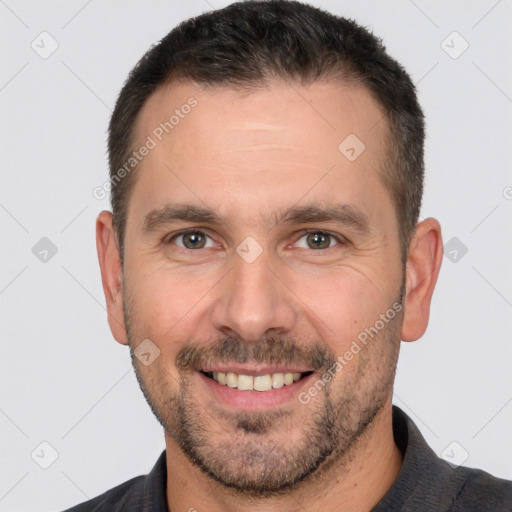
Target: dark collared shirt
[{"x": 425, "y": 483}]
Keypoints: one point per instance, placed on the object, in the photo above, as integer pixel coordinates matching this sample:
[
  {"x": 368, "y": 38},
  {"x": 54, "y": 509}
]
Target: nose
[{"x": 253, "y": 302}]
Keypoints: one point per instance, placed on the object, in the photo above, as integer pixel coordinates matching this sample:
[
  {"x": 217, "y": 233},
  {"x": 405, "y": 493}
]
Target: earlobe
[
  {"x": 423, "y": 264},
  {"x": 111, "y": 274}
]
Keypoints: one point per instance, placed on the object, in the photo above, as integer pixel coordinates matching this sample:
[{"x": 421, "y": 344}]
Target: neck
[{"x": 357, "y": 483}]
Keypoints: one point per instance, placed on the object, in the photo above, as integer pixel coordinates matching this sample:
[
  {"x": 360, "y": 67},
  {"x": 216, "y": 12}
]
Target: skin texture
[{"x": 250, "y": 158}]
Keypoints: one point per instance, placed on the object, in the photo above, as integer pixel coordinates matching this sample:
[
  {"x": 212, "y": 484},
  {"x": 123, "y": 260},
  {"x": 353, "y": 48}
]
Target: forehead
[
  {"x": 261, "y": 113},
  {"x": 275, "y": 144}
]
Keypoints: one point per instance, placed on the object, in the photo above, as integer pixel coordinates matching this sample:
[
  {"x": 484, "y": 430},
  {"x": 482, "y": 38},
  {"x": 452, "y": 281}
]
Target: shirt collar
[{"x": 155, "y": 487}]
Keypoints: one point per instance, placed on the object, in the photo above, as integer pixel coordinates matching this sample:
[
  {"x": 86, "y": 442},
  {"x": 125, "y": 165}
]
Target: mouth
[
  {"x": 244, "y": 389},
  {"x": 262, "y": 382}
]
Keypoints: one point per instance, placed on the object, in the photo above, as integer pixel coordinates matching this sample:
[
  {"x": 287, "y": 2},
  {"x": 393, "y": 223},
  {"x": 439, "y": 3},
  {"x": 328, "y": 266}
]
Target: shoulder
[
  {"x": 428, "y": 482},
  {"x": 125, "y": 496},
  {"x": 145, "y": 492},
  {"x": 483, "y": 491}
]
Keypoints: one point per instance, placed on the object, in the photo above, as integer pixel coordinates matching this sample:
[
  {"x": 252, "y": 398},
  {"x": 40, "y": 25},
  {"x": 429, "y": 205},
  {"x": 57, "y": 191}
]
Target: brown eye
[
  {"x": 193, "y": 240},
  {"x": 318, "y": 240}
]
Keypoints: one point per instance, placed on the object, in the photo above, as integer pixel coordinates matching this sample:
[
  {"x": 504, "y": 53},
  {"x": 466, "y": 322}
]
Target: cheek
[
  {"x": 161, "y": 311},
  {"x": 159, "y": 301},
  {"x": 341, "y": 304}
]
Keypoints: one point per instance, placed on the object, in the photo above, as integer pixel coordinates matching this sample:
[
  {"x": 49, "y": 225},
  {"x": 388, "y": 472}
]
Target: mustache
[{"x": 272, "y": 350}]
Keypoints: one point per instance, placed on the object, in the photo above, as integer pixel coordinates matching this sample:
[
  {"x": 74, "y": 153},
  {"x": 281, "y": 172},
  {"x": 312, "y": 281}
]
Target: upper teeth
[{"x": 258, "y": 383}]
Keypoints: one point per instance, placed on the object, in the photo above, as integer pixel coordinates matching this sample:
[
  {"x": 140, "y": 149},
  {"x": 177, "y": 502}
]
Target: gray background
[{"x": 66, "y": 382}]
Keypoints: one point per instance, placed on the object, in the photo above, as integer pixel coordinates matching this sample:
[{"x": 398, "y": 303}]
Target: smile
[{"x": 261, "y": 383}]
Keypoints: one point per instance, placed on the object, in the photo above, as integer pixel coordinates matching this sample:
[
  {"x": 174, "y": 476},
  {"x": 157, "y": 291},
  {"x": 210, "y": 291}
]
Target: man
[{"x": 264, "y": 260}]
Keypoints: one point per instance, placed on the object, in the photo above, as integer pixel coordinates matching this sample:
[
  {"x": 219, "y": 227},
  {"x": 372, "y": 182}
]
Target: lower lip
[{"x": 250, "y": 401}]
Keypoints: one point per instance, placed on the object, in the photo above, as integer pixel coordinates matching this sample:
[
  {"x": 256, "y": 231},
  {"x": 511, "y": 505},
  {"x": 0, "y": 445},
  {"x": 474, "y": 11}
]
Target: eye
[
  {"x": 317, "y": 240},
  {"x": 192, "y": 239}
]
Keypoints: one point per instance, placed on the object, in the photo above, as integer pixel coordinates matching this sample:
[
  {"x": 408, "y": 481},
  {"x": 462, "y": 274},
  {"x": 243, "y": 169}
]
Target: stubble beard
[{"x": 264, "y": 454}]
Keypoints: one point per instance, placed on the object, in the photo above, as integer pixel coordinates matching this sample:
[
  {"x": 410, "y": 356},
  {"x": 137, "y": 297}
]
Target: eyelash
[{"x": 339, "y": 238}]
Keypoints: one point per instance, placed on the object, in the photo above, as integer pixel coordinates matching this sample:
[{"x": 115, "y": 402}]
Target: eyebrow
[
  {"x": 346, "y": 214},
  {"x": 170, "y": 213}
]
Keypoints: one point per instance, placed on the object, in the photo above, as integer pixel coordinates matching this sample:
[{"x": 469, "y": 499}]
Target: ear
[
  {"x": 424, "y": 260},
  {"x": 111, "y": 275}
]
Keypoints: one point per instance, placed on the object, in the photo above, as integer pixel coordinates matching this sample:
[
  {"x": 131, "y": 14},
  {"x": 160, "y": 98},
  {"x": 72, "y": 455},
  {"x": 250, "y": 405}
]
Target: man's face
[{"x": 264, "y": 285}]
